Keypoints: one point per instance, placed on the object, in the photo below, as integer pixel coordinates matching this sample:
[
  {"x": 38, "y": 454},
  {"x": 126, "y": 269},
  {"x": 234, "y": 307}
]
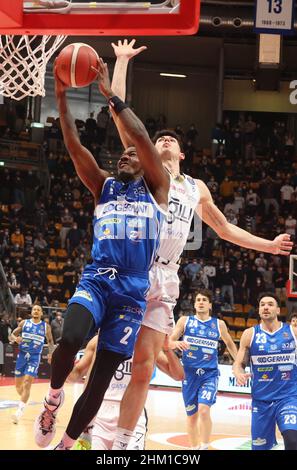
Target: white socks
[
  {"x": 122, "y": 439},
  {"x": 202, "y": 446}
]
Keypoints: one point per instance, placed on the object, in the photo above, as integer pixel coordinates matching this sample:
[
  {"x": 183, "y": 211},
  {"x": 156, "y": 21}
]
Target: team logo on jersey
[
  {"x": 110, "y": 221},
  {"x": 83, "y": 293},
  {"x": 285, "y": 376},
  {"x": 288, "y": 345},
  {"x": 285, "y": 368},
  {"x": 259, "y": 441},
  {"x": 190, "y": 408},
  {"x": 212, "y": 334},
  {"x": 285, "y": 334},
  {"x": 273, "y": 347},
  {"x": 135, "y": 235},
  {"x": 138, "y": 223},
  {"x": 200, "y": 372},
  {"x": 213, "y": 325}
]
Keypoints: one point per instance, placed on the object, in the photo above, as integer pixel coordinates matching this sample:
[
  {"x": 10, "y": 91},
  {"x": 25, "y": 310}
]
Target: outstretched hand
[
  {"x": 60, "y": 86},
  {"x": 125, "y": 49},
  {"x": 104, "y": 80},
  {"x": 282, "y": 245}
]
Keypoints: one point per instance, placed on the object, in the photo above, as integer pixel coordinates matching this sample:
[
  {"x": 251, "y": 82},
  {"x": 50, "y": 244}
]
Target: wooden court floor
[{"x": 167, "y": 424}]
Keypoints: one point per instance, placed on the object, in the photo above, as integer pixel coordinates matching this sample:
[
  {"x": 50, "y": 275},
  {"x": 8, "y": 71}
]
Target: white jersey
[
  {"x": 119, "y": 382},
  {"x": 184, "y": 196}
]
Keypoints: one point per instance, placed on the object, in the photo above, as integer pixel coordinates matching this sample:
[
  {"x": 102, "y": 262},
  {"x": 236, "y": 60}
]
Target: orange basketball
[{"x": 74, "y": 64}]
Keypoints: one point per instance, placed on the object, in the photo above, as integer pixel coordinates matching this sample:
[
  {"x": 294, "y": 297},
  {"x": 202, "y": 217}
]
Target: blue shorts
[
  {"x": 117, "y": 303},
  {"x": 27, "y": 364},
  {"x": 265, "y": 416},
  {"x": 199, "y": 389}
]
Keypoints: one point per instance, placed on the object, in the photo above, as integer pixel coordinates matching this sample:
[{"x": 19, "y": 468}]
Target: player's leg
[
  {"x": 138, "y": 440},
  {"x": 286, "y": 417},
  {"x": 86, "y": 407},
  {"x": 19, "y": 384},
  {"x": 19, "y": 372},
  {"x": 148, "y": 346},
  {"x": 77, "y": 325},
  {"x": 205, "y": 425},
  {"x": 28, "y": 380},
  {"x": 192, "y": 430},
  {"x": 158, "y": 321},
  {"x": 206, "y": 398},
  {"x": 263, "y": 425}
]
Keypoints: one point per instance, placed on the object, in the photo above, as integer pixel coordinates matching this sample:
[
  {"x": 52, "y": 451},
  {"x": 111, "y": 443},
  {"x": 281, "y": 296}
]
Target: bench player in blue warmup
[
  {"x": 129, "y": 211},
  {"x": 30, "y": 335},
  {"x": 271, "y": 348}
]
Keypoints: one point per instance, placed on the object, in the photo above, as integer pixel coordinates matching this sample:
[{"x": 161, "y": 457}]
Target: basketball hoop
[{"x": 23, "y": 61}]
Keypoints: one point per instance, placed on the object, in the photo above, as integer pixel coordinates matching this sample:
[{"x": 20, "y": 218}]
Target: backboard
[
  {"x": 291, "y": 284},
  {"x": 113, "y": 18}
]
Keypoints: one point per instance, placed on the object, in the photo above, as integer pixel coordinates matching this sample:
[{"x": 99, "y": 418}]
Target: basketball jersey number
[
  {"x": 128, "y": 330},
  {"x": 206, "y": 395},
  {"x": 260, "y": 338},
  {"x": 290, "y": 419}
]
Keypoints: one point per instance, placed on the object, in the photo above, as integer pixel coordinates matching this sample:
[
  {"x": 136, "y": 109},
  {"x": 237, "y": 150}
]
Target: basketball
[{"x": 74, "y": 65}]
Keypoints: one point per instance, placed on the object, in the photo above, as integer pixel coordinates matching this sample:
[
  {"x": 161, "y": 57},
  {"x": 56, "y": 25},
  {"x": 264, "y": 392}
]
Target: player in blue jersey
[
  {"x": 30, "y": 335},
  {"x": 201, "y": 334},
  {"x": 271, "y": 348},
  {"x": 186, "y": 196},
  {"x": 111, "y": 294}
]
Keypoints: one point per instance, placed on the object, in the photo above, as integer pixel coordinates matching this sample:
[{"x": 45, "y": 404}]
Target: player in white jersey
[
  {"x": 100, "y": 434},
  {"x": 186, "y": 196}
]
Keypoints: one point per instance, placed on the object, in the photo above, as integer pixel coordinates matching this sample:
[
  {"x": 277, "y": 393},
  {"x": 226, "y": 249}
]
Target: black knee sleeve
[
  {"x": 290, "y": 439},
  {"x": 77, "y": 325},
  {"x": 88, "y": 404}
]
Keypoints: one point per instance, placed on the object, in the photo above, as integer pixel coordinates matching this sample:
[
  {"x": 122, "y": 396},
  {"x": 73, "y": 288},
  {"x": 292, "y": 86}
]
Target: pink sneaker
[{"x": 45, "y": 423}]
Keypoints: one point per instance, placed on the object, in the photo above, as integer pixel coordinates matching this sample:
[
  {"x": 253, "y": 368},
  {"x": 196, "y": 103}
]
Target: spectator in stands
[
  {"x": 66, "y": 221},
  {"x": 17, "y": 238},
  {"x": 192, "y": 269},
  {"x": 290, "y": 224},
  {"x": 102, "y": 123},
  {"x": 240, "y": 279},
  {"x": 13, "y": 283},
  {"x": 279, "y": 280},
  {"x": 23, "y": 298},
  {"x": 73, "y": 238},
  {"x": 40, "y": 244},
  {"x": 227, "y": 280},
  {"x": 69, "y": 279}
]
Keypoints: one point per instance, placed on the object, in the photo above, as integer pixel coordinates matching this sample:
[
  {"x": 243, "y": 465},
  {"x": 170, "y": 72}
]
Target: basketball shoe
[{"x": 45, "y": 423}]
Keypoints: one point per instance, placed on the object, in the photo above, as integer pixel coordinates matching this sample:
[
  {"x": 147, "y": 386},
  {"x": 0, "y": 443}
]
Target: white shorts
[
  {"x": 105, "y": 427},
  {"x": 161, "y": 299}
]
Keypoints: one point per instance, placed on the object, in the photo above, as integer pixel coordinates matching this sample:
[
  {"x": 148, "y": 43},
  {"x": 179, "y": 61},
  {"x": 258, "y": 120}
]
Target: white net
[{"x": 23, "y": 61}]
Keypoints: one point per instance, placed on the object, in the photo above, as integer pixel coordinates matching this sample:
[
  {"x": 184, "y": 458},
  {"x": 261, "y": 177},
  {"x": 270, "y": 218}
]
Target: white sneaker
[
  {"x": 17, "y": 416},
  {"x": 45, "y": 427}
]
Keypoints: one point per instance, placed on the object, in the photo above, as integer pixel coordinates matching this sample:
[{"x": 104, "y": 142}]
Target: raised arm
[
  {"x": 213, "y": 217},
  {"x": 85, "y": 164},
  {"x": 225, "y": 335},
  {"x": 242, "y": 357},
  {"x": 156, "y": 176},
  {"x": 124, "y": 53}
]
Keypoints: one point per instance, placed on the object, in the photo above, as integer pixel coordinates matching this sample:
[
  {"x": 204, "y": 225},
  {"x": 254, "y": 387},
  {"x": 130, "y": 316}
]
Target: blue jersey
[
  {"x": 203, "y": 337},
  {"x": 33, "y": 335},
  {"x": 273, "y": 363},
  {"x": 127, "y": 222}
]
